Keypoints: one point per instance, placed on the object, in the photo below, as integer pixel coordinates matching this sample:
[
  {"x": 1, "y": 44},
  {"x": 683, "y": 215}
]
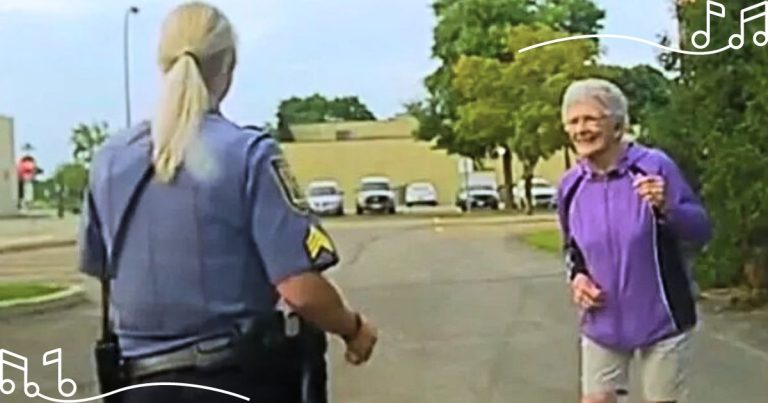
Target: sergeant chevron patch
[{"x": 316, "y": 242}]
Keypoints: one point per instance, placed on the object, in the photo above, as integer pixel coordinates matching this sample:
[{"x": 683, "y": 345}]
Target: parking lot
[{"x": 467, "y": 313}]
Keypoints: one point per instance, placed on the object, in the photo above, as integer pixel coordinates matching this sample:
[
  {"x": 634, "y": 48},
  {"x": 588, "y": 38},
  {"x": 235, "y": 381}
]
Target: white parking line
[{"x": 741, "y": 346}]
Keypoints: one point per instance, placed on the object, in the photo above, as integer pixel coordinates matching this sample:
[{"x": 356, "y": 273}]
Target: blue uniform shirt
[{"x": 205, "y": 252}]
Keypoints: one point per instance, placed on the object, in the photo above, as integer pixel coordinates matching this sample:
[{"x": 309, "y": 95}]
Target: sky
[{"x": 61, "y": 61}]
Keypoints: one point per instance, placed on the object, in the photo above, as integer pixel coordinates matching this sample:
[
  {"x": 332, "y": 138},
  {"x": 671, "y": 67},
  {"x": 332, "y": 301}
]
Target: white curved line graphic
[
  {"x": 144, "y": 385},
  {"x": 629, "y": 38}
]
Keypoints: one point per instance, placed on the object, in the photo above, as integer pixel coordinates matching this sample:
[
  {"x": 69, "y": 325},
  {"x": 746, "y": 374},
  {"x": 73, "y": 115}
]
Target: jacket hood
[{"x": 632, "y": 154}]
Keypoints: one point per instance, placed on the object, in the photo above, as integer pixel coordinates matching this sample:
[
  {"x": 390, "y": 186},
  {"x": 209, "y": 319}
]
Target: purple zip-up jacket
[{"x": 632, "y": 251}]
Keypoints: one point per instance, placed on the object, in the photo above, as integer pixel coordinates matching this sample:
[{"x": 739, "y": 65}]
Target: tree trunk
[
  {"x": 508, "y": 185},
  {"x": 754, "y": 272},
  {"x": 682, "y": 34},
  {"x": 60, "y": 200},
  {"x": 528, "y": 177},
  {"x": 756, "y": 263}
]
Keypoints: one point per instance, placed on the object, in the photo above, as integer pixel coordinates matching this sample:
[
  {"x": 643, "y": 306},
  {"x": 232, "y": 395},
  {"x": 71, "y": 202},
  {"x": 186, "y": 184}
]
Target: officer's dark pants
[
  {"x": 315, "y": 376},
  {"x": 260, "y": 388},
  {"x": 306, "y": 383}
]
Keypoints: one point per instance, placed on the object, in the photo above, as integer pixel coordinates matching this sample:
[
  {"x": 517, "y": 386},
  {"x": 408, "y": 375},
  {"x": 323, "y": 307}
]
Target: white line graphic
[
  {"x": 144, "y": 385},
  {"x": 629, "y": 38},
  {"x": 32, "y": 389},
  {"x": 736, "y": 41}
]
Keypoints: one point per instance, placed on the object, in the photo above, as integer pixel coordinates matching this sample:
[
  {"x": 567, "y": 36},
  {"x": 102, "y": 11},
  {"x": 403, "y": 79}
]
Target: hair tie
[{"x": 193, "y": 56}]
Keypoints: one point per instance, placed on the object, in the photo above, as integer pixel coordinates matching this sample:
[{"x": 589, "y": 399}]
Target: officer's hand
[
  {"x": 360, "y": 347},
  {"x": 586, "y": 293}
]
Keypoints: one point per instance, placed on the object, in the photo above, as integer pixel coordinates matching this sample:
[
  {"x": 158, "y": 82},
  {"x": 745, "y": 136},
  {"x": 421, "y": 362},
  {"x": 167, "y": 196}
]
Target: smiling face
[{"x": 591, "y": 130}]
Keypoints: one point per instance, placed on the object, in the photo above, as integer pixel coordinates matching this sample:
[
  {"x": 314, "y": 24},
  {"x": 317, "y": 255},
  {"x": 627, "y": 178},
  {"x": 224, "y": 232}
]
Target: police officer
[{"x": 201, "y": 230}]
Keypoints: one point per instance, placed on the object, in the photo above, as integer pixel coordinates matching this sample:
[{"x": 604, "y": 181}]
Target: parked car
[
  {"x": 376, "y": 195},
  {"x": 420, "y": 194},
  {"x": 543, "y": 194},
  {"x": 478, "y": 196},
  {"x": 325, "y": 197}
]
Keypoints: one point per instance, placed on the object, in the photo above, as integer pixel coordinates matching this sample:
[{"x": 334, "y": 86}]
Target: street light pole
[{"x": 128, "y": 12}]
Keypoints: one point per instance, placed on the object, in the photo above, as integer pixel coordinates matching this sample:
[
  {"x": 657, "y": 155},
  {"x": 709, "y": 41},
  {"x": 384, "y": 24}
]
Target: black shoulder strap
[
  {"x": 570, "y": 193},
  {"x": 574, "y": 258},
  {"x": 636, "y": 170},
  {"x": 117, "y": 245}
]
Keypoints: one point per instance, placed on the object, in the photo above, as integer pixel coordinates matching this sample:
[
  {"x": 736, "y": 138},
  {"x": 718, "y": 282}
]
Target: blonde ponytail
[
  {"x": 183, "y": 104},
  {"x": 190, "y": 56}
]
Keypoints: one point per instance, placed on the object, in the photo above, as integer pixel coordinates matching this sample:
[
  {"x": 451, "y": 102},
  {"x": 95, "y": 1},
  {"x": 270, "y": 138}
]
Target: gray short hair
[{"x": 608, "y": 94}]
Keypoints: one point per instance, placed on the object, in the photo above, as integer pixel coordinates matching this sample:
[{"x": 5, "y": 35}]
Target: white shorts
[{"x": 663, "y": 366}]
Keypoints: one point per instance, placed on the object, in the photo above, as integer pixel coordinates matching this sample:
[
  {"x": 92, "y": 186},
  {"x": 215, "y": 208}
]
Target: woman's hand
[
  {"x": 586, "y": 293},
  {"x": 652, "y": 189}
]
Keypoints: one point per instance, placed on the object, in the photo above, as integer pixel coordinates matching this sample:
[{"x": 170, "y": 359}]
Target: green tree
[
  {"x": 69, "y": 181},
  {"x": 86, "y": 140},
  {"x": 572, "y": 16},
  {"x": 646, "y": 88},
  {"x": 349, "y": 109},
  {"x": 714, "y": 126},
  {"x": 479, "y": 28},
  {"x": 318, "y": 109},
  {"x": 517, "y": 104},
  {"x": 73, "y": 176},
  {"x": 284, "y": 133}
]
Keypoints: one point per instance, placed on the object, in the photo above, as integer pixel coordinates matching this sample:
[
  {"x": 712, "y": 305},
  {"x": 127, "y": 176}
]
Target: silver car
[{"x": 325, "y": 197}]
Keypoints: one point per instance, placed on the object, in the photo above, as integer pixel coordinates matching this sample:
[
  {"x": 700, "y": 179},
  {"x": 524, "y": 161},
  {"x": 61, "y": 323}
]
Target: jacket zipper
[{"x": 612, "y": 252}]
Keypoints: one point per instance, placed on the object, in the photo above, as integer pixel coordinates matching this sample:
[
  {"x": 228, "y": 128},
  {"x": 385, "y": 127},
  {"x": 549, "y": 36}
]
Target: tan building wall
[
  {"x": 8, "y": 184},
  {"x": 402, "y": 160},
  {"x": 551, "y": 169},
  {"x": 347, "y": 151},
  {"x": 398, "y": 127}
]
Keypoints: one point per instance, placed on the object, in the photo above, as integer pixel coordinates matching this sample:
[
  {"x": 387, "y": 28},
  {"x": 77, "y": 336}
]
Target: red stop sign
[{"x": 27, "y": 168}]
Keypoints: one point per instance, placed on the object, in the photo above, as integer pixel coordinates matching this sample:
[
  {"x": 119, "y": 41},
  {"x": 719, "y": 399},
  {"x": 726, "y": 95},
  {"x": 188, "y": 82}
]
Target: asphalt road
[{"x": 467, "y": 315}]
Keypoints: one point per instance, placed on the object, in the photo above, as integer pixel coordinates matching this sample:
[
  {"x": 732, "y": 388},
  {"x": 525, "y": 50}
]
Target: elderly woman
[{"x": 625, "y": 210}]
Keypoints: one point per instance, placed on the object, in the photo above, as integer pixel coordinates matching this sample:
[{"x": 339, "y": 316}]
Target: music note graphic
[
  {"x": 744, "y": 20},
  {"x": 32, "y": 389},
  {"x": 61, "y": 381},
  {"x": 7, "y": 386},
  {"x": 711, "y": 5}
]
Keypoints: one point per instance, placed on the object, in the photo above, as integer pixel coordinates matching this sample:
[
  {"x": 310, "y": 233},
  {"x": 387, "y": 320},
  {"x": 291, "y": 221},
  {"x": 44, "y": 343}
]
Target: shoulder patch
[
  {"x": 288, "y": 183},
  {"x": 317, "y": 242}
]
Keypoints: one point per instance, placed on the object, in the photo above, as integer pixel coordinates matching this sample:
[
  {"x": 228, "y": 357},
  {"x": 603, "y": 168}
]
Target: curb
[
  {"x": 67, "y": 298},
  {"x": 19, "y": 216},
  {"x": 441, "y": 222},
  {"x": 457, "y": 219},
  {"x": 30, "y": 246},
  {"x": 498, "y": 220}
]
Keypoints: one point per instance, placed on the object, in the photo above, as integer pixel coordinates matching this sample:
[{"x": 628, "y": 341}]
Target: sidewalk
[
  {"x": 745, "y": 330},
  {"x": 24, "y": 233},
  {"x": 438, "y": 220}
]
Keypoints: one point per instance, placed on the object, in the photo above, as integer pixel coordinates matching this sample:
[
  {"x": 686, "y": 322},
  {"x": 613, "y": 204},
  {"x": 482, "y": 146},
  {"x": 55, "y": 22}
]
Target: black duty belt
[
  {"x": 208, "y": 354},
  {"x": 211, "y": 353}
]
